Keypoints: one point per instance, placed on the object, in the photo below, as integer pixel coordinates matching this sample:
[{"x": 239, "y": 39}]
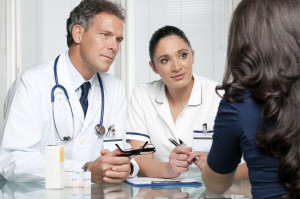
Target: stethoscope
[{"x": 99, "y": 128}]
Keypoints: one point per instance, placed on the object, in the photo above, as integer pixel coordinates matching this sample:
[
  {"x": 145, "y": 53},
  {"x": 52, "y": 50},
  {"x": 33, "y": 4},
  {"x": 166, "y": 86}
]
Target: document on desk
[{"x": 162, "y": 182}]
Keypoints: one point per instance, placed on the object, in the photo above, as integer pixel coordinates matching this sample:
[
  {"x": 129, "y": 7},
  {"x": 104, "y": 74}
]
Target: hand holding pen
[
  {"x": 195, "y": 160},
  {"x": 178, "y": 161},
  {"x": 199, "y": 157}
]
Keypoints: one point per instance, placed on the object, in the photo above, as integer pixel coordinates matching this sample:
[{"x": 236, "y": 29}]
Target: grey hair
[{"x": 84, "y": 13}]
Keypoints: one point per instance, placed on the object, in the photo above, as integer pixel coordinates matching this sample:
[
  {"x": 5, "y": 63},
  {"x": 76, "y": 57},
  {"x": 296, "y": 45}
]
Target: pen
[
  {"x": 177, "y": 144},
  {"x": 165, "y": 181}
]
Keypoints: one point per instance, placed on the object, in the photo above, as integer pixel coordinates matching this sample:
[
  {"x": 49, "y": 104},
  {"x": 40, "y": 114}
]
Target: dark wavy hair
[
  {"x": 84, "y": 13},
  {"x": 263, "y": 56},
  {"x": 162, "y": 33}
]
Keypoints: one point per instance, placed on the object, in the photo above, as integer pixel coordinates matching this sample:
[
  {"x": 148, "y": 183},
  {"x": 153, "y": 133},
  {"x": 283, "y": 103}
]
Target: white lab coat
[{"x": 29, "y": 125}]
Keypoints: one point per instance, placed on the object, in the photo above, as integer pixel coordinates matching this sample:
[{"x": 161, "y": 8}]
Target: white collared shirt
[
  {"x": 150, "y": 119},
  {"x": 75, "y": 77}
]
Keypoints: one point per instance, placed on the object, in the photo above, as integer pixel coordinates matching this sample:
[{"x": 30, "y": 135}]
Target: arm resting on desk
[
  {"x": 216, "y": 182},
  {"x": 152, "y": 168},
  {"x": 110, "y": 167},
  {"x": 241, "y": 171}
]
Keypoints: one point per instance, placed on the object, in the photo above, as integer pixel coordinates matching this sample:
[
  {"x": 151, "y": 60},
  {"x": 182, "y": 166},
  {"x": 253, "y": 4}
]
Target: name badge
[
  {"x": 110, "y": 143},
  {"x": 202, "y": 141}
]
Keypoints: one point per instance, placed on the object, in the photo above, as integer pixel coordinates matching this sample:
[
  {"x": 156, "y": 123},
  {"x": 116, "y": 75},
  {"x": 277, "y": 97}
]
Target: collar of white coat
[
  {"x": 195, "y": 98},
  {"x": 75, "y": 77}
]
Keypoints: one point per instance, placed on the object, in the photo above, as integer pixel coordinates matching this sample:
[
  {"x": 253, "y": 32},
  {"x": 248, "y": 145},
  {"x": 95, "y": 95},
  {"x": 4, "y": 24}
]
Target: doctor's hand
[
  {"x": 201, "y": 159},
  {"x": 110, "y": 167},
  {"x": 178, "y": 161}
]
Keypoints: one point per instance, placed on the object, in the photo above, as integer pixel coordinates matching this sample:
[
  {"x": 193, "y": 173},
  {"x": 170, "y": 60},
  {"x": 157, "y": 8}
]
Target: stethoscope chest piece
[{"x": 100, "y": 129}]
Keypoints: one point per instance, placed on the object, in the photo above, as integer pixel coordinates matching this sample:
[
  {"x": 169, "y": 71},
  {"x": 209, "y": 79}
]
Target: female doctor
[
  {"x": 174, "y": 107},
  {"x": 37, "y": 111}
]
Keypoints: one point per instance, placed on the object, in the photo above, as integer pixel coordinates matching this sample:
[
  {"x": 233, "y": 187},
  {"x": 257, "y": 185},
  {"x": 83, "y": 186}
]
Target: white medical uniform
[
  {"x": 29, "y": 124},
  {"x": 150, "y": 117}
]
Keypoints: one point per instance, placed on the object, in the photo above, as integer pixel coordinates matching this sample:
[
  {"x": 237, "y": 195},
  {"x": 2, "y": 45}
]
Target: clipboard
[{"x": 162, "y": 182}]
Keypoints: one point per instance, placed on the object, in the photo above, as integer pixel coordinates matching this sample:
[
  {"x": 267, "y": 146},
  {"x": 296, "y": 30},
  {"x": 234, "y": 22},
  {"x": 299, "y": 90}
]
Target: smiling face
[
  {"x": 99, "y": 44},
  {"x": 173, "y": 61}
]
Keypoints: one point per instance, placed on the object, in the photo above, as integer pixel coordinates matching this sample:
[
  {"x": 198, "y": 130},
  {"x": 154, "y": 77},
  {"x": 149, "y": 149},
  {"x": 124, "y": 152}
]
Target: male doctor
[{"x": 37, "y": 112}]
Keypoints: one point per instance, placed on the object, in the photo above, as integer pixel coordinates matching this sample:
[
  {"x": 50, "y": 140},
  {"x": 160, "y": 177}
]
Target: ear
[
  {"x": 77, "y": 31},
  {"x": 193, "y": 56},
  {"x": 153, "y": 67}
]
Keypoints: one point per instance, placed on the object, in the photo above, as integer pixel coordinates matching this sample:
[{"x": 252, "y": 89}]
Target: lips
[
  {"x": 178, "y": 77},
  {"x": 108, "y": 57}
]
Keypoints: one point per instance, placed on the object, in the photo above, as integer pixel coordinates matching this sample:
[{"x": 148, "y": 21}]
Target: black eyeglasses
[{"x": 143, "y": 150}]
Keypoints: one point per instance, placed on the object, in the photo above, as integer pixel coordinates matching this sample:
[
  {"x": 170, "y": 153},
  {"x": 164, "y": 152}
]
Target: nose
[
  {"x": 176, "y": 66},
  {"x": 113, "y": 45}
]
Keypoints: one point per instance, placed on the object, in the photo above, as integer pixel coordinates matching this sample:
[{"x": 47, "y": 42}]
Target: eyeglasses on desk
[{"x": 143, "y": 150}]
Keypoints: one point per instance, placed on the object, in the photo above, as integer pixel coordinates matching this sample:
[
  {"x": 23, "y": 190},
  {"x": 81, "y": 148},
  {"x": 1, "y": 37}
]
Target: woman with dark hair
[
  {"x": 258, "y": 116},
  {"x": 174, "y": 107}
]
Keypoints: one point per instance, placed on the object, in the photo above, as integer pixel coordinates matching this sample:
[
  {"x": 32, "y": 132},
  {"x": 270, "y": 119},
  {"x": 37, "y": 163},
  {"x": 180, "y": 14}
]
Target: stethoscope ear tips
[{"x": 66, "y": 138}]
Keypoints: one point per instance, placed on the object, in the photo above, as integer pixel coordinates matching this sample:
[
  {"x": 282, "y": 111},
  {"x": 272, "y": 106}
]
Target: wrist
[{"x": 171, "y": 173}]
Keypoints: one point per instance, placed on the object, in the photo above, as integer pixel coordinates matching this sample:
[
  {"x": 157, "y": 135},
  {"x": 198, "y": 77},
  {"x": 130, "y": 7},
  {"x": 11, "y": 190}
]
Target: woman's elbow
[
  {"x": 217, "y": 188},
  {"x": 215, "y": 182}
]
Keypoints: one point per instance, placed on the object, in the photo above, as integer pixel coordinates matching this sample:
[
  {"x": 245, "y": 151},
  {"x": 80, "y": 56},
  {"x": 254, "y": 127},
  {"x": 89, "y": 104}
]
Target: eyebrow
[
  {"x": 182, "y": 50},
  {"x": 111, "y": 33},
  {"x": 179, "y": 51}
]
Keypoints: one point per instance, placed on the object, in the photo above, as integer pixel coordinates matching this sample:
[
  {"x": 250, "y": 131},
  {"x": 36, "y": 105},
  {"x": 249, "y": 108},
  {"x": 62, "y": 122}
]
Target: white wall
[
  {"x": 2, "y": 61},
  {"x": 43, "y": 25}
]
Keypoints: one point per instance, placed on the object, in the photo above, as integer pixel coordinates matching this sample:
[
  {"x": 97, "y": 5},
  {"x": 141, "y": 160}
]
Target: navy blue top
[{"x": 234, "y": 134}]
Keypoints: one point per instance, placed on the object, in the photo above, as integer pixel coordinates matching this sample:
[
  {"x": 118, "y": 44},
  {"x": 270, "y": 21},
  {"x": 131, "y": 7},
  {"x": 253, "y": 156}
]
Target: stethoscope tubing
[{"x": 57, "y": 85}]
